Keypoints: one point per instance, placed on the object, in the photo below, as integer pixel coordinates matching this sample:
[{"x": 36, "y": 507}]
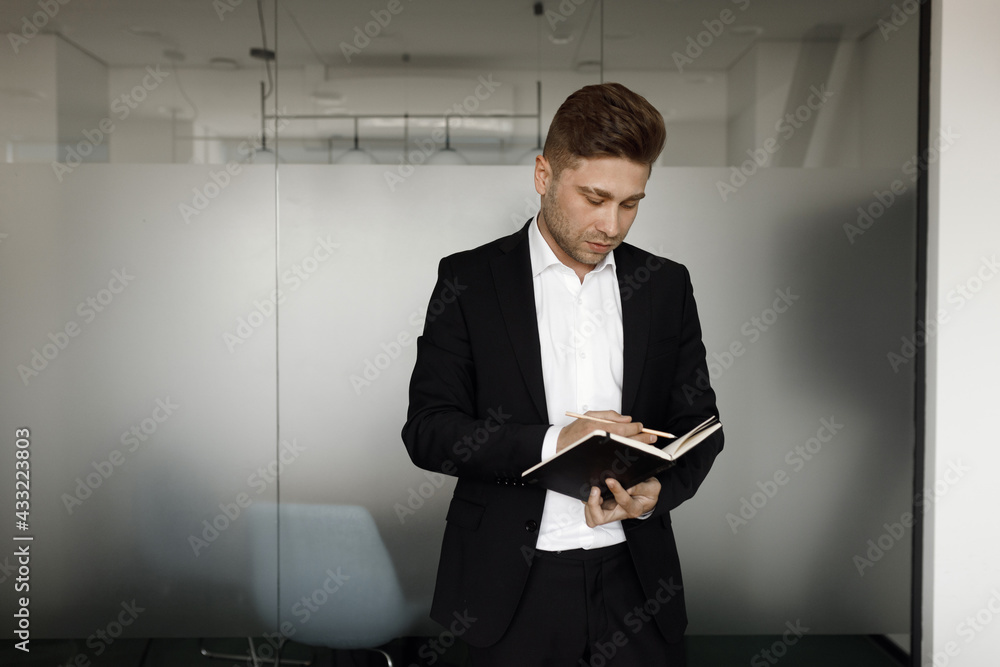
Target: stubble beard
[{"x": 560, "y": 229}]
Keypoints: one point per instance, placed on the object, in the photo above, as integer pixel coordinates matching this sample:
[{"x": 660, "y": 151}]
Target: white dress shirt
[{"x": 580, "y": 332}]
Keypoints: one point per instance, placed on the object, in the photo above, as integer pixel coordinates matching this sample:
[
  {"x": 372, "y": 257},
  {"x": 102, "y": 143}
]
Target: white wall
[{"x": 962, "y": 544}]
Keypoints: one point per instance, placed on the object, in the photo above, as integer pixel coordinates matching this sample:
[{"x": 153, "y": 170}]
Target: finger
[
  {"x": 649, "y": 487},
  {"x": 592, "y": 510},
  {"x": 625, "y": 501},
  {"x": 609, "y": 414},
  {"x": 636, "y": 433},
  {"x": 629, "y": 430}
]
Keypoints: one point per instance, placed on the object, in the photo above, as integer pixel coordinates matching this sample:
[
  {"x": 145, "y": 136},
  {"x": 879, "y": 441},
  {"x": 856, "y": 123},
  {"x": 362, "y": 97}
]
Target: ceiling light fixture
[
  {"x": 447, "y": 155},
  {"x": 698, "y": 79},
  {"x": 356, "y": 155},
  {"x": 224, "y": 64},
  {"x": 143, "y": 31}
]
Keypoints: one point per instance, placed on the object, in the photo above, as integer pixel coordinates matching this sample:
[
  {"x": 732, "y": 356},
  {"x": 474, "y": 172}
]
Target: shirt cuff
[
  {"x": 646, "y": 515},
  {"x": 550, "y": 442}
]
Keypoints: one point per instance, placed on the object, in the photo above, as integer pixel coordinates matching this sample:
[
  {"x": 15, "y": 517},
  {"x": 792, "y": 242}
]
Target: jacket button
[{"x": 531, "y": 525}]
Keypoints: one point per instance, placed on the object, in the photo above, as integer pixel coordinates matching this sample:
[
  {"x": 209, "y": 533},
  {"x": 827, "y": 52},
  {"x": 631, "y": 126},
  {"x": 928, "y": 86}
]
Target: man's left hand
[{"x": 626, "y": 504}]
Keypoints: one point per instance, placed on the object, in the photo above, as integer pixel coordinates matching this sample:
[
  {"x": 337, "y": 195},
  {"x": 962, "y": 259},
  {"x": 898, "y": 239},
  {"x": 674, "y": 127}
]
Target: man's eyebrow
[{"x": 604, "y": 194}]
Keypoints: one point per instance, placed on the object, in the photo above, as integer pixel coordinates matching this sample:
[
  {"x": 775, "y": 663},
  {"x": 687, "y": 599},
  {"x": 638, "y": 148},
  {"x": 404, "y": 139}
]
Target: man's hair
[{"x": 604, "y": 120}]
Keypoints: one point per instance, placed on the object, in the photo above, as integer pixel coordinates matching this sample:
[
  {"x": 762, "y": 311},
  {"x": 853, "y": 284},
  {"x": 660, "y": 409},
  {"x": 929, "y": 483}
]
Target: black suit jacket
[{"x": 477, "y": 411}]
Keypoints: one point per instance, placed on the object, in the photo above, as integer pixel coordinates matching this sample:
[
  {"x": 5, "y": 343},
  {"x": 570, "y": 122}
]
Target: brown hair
[{"x": 604, "y": 120}]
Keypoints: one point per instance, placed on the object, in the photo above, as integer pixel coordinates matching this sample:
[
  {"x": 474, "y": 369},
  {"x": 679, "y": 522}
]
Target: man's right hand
[{"x": 623, "y": 426}]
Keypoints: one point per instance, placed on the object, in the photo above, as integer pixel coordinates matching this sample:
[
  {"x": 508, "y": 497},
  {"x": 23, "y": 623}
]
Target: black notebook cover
[{"x": 589, "y": 462}]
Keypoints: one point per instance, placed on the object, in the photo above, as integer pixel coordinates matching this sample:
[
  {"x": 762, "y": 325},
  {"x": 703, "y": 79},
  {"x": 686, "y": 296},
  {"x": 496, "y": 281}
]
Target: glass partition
[
  {"x": 219, "y": 235},
  {"x": 137, "y": 258}
]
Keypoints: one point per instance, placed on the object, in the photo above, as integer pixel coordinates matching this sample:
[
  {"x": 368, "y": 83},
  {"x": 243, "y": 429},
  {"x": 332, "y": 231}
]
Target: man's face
[{"x": 587, "y": 211}]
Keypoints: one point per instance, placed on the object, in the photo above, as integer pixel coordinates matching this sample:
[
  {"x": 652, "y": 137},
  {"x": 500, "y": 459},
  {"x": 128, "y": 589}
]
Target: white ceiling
[
  {"x": 441, "y": 38},
  {"x": 439, "y": 34}
]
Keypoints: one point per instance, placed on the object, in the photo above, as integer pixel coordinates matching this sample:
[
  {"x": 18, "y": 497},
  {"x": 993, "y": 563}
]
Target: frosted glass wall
[
  {"x": 798, "y": 317},
  {"x": 149, "y": 399},
  {"x": 208, "y": 325}
]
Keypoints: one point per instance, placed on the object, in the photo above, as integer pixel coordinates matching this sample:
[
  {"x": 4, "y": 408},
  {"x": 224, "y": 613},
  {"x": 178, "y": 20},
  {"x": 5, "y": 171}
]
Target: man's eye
[
  {"x": 595, "y": 203},
  {"x": 629, "y": 206}
]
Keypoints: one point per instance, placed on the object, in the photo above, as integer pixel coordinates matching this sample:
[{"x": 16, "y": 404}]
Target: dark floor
[{"x": 703, "y": 651}]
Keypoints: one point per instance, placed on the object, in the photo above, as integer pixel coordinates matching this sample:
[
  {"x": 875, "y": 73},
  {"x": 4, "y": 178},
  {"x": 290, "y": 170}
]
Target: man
[{"x": 562, "y": 316}]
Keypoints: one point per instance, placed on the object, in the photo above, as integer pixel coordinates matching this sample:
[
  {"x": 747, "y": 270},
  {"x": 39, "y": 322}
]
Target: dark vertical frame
[
  {"x": 277, "y": 333},
  {"x": 920, "y": 361}
]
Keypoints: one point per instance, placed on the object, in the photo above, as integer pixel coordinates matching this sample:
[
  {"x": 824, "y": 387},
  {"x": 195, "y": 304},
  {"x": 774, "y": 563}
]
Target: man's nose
[{"x": 609, "y": 221}]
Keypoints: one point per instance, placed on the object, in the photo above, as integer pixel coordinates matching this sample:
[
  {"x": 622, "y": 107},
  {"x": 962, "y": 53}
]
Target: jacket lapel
[
  {"x": 635, "y": 323},
  {"x": 515, "y": 290}
]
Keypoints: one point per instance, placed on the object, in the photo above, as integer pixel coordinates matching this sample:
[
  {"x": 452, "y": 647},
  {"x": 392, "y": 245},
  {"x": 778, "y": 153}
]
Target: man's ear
[{"x": 543, "y": 175}]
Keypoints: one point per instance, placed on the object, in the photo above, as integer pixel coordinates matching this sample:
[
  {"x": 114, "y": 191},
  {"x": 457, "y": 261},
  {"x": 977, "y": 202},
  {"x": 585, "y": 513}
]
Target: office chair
[{"x": 338, "y": 586}]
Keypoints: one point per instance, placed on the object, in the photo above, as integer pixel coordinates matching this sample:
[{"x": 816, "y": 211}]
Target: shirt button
[
  {"x": 583, "y": 355},
  {"x": 531, "y": 525},
  {"x": 585, "y": 407}
]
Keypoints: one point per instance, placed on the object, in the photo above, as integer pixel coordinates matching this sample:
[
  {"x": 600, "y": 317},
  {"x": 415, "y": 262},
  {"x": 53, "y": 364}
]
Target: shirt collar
[{"x": 542, "y": 256}]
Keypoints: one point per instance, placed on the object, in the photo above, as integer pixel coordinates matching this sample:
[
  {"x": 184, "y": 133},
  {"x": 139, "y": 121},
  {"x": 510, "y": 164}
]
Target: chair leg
[
  {"x": 388, "y": 659},
  {"x": 257, "y": 660},
  {"x": 253, "y": 652}
]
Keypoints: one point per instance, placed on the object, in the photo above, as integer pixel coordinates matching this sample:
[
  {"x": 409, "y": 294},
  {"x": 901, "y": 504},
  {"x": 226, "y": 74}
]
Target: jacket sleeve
[
  {"x": 691, "y": 401},
  {"x": 446, "y": 428}
]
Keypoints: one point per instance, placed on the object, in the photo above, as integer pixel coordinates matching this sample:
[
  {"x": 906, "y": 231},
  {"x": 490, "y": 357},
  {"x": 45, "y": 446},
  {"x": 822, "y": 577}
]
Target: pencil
[{"x": 662, "y": 434}]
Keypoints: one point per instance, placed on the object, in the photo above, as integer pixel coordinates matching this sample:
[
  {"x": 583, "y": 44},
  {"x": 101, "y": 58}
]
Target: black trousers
[{"x": 582, "y": 608}]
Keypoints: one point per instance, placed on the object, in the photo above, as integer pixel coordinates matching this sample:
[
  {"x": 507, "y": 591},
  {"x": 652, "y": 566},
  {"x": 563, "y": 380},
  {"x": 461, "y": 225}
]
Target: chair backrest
[{"x": 338, "y": 585}]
